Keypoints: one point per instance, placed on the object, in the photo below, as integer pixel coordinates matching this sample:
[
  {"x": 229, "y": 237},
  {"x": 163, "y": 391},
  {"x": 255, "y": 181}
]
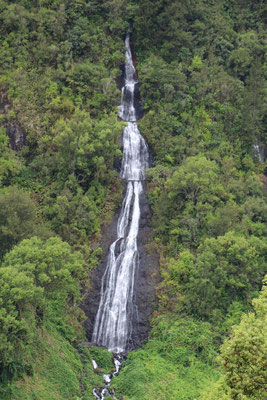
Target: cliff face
[{"x": 147, "y": 277}]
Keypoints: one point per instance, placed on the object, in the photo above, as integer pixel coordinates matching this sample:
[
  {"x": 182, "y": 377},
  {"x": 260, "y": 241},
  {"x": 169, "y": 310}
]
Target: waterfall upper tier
[{"x": 127, "y": 110}]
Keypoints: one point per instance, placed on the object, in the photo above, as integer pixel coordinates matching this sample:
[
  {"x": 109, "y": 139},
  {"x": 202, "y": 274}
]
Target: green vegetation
[
  {"x": 243, "y": 355},
  {"x": 39, "y": 322},
  {"x": 202, "y": 68},
  {"x": 103, "y": 358},
  {"x": 60, "y": 62},
  {"x": 180, "y": 357},
  {"x": 176, "y": 362},
  {"x": 59, "y": 66},
  {"x": 38, "y": 280},
  {"x": 59, "y": 372}
]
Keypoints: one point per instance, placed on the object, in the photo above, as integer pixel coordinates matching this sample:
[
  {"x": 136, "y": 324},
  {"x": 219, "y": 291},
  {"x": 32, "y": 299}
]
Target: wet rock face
[
  {"x": 137, "y": 102},
  {"x": 147, "y": 277},
  {"x": 16, "y": 134}
]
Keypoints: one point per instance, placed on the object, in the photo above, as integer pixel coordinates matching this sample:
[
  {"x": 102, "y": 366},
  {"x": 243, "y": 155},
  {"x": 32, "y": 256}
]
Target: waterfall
[
  {"x": 257, "y": 152},
  {"x": 113, "y": 322}
]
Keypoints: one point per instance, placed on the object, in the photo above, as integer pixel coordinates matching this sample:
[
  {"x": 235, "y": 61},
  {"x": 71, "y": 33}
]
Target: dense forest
[{"x": 202, "y": 71}]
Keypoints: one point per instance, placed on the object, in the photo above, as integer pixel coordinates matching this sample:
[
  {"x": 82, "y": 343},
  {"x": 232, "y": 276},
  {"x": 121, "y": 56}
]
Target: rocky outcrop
[{"x": 15, "y": 132}]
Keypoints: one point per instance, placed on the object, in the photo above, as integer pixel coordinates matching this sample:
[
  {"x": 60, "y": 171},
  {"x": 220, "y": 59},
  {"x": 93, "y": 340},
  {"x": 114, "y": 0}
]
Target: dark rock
[
  {"x": 16, "y": 134},
  {"x": 137, "y": 102},
  {"x": 147, "y": 277}
]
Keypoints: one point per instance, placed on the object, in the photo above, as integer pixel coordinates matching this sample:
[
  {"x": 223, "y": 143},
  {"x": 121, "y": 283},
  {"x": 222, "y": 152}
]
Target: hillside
[{"x": 202, "y": 71}]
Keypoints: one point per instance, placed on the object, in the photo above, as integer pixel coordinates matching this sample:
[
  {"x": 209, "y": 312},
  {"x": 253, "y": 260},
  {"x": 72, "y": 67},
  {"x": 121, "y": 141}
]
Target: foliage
[
  {"x": 176, "y": 361},
  {"x": 60, "y": 87},
  {"x": 59, "y": 68},
  {"x": 225, "y": 270},
  {"x": 243, "y": 355},
  {"x": 183, "y": 339},
  {"x": 203, "y": 198},
  {"x": 18, "y": 218},
  {"x": 9, "y": 164},
  {"x": 59, "y": 371},
  {"x": 103, "y": 358},
  {"x": 201, "y": 65},
  {"x": 215, "y": 391},
  {"x": 31, "y": 275}
]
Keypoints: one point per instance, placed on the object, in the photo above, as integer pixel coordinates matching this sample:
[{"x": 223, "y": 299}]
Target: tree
[
  {"x": 33, "y": 274},
  {"x": 219, "y": 280},
  {"x": 49, "y": 264},
  {"x": 243, "y": 355},
  {"x": 9, "y": 164},
  {"x": 17, "y": 217},
  {"x": 192, "y": 192},
  {"x": 195, "y": 180},
  {"x": 86, "y": 148},
  {"x": 226, "y": 269}
]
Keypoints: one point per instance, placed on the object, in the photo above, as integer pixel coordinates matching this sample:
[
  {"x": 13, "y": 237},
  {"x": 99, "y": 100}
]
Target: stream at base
[{"x": 105, "y": 391}]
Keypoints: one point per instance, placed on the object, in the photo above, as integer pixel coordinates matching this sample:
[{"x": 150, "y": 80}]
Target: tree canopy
[{"x": 32, "y": 274}]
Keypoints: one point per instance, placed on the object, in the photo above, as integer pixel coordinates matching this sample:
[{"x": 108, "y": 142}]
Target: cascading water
[
  {"x": 257, "y": 152},
  {"x": 112, "y": 327},
  {"x": 113, "y": 322}
]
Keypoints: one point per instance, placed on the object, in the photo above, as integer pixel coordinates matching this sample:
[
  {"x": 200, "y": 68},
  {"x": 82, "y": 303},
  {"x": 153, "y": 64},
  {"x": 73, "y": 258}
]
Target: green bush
[{"x": 103, "y": 358}]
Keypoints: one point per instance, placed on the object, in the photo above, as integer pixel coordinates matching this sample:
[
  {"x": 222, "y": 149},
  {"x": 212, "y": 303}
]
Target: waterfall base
[{"x": 103, "y": 392}]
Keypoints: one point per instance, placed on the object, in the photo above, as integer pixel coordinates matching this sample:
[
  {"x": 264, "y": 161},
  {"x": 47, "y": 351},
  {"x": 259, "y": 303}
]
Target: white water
[
  {"x": 100, "y": 394},
  {"x": 257, "y": 152},
  {"x": 113, "y": 323},
  {"x": 95, "y": 366}
]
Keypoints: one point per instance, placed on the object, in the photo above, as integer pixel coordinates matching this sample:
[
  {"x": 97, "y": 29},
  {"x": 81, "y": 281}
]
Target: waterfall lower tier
[
  {"x": 112, "y": 327},
  {"x": 146, "y": 278}
]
